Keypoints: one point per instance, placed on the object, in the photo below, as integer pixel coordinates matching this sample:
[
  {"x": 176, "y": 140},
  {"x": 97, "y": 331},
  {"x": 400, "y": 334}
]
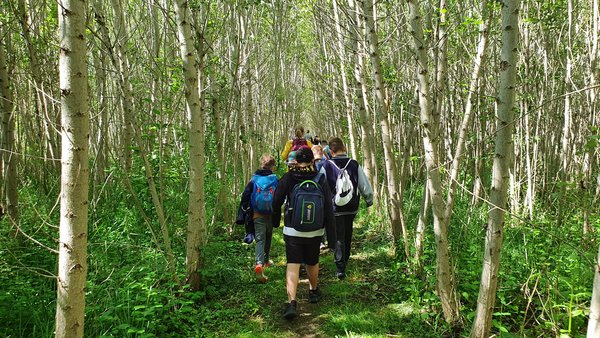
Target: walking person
[
  {"x": 348, "y": 182},
  {"x": 258, "y": 195},
  {"x": 299, "y": 141},
  {"x": 308, "y": 212}
]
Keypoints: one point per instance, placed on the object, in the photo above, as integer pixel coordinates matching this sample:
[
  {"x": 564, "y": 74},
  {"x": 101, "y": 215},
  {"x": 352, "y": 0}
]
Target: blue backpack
[
  {"x": 305, "y": 210},
  {"x": 262, "y": 194}
]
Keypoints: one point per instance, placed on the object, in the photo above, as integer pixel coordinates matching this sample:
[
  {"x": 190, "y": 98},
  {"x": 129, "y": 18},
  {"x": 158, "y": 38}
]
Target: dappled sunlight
[{"x": 361, "y": 320}]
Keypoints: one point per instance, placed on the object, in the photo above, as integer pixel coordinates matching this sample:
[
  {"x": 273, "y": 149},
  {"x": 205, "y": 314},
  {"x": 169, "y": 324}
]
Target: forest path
[{"x": 370, "y": 302}]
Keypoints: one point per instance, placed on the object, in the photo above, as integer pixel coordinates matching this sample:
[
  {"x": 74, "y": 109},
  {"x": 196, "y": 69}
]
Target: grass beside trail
[{"x": 370, "y": 302}]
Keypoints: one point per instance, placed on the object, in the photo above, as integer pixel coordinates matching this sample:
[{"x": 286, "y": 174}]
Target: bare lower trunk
[
  {"x": 446, "y": 283},
  {"x": 421, "y": 227},
  {"x": 381, "y": 115},
  {"x": 7, "y": 145},
  {"x": 196, "y": 230},
  {"x": 158, "y": 205},
  {"x": 500, "y": 171},
  {"x": 594, "y": 322},
  {"x": 72, "y": 265}
]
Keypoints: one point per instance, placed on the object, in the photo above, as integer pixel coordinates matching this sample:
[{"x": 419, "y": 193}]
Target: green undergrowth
[{"x": 543, "y": 289}]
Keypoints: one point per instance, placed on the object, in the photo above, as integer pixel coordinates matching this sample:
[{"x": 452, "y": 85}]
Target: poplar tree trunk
[
  {"x": 381, "y": 115},
  {"x": 369, "y": 163},
  {"x": 444, "y": 271},
  {"x": 72, "y": 265},
  {"x": 421, "y": 227},
  {"x": 500, "y": 170},
  {"x": 467, "y": 117},
  {"x": 48, "y": 144},
  {"x": 7, "y": 145},
  {"x": 122, "y": 65},
  {"x": 196, "y": 229},
  {"x": 346, "y": 92},
  {"x": 101, "y": 63},
  {"x": 594, "y": 322}
]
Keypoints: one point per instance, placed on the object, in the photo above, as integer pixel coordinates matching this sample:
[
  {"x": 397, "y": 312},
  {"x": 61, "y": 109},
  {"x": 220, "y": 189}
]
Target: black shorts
[{"x": 302, "y": 250}]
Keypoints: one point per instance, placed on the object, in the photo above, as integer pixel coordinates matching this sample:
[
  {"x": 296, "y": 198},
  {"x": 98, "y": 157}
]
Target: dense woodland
[{"x": 130, "y": 128}]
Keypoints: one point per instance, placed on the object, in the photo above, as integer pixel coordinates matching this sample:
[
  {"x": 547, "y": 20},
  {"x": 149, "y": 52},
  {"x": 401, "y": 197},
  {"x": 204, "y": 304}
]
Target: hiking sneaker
[
  {"x": 259, "y": 271},
  {"x": 290, "y": 310},
  {"x": 314, "y": 296},
  {"x": 268, "y": 263},
  {"x": 341, "y": 275}
]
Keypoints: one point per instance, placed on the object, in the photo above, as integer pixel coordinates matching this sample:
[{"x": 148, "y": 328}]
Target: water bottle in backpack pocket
[
  {"x": 262, "y": 194},
  {"x": 305, "y": 208}
]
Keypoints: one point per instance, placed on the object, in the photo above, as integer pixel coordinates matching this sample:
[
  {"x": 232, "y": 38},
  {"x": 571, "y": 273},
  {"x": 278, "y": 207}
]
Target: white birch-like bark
[
  {"x": 593, "y": 330},
  {"x": 421, "y": 227},
  {"x": 467, "y": 117},
  {"x": 369, "y": 162},
  {"x": 122, "y": 65},
  {"x": 500, "y": 171},
  {"x": 72, "y": 265},
  {"x": 192, "y": 73},
  {"x": 381, "y": 115},
  {"x": 444, "y": 271},
  {"x": 48, "y": 143},
  {"x": 7, "y": 138},
  {"x": 345, "y": 88}
]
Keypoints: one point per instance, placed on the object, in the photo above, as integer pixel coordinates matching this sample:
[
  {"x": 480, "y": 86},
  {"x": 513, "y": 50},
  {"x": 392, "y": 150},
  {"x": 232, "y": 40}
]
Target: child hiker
[
  {"x": 308, "y": 212},
  {"x": 348, "y": 182},
  {"x": 258, "y": 195}
]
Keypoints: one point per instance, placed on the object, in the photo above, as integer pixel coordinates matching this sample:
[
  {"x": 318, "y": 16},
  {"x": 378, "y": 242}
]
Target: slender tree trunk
[
  {"x": 345, "y": 90},
  {"x": 123, "y": 76},
  {"x": 594, "y": 322},
  {"x": 72, "y": 265},
  {"x": 7, "y": 145},
  {"x": 192, "y": 72},
  {"x": 381, "y": 115},
  {"x": 421, "y": 227},
  {"x": 158, "y": 205},
  {"x": 47, "y": 143},
  {"x": 466, "y": 121},
  {"x": 369, "y": 163},
  {"x": 500, "y": 170},
  {"x": 446, "y": 283}
]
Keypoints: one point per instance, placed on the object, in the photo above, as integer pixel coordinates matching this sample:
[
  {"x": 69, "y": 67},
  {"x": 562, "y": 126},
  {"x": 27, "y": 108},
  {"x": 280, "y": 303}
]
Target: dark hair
[
  {"x": 336, "y": 145},
  {"x": 304, "y": 155}
]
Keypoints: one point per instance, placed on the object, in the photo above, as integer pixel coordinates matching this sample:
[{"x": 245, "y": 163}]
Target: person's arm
[
  {"x": 279, "y": 199},
  {"x": 364, "y": 187},
  {"x": 245, "y": 203},
  {"x": 286, "y": 151}
]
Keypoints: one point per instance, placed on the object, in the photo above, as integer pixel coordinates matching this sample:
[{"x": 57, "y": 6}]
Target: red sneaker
[{"x": 260, "y": 274}]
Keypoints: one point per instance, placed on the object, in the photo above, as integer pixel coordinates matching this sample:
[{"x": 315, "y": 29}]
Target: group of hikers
[{"x": 319, "y": 194}]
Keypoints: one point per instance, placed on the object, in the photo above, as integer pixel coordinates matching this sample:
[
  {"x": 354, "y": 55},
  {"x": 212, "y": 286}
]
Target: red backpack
[{"x": 298, "y": 143}]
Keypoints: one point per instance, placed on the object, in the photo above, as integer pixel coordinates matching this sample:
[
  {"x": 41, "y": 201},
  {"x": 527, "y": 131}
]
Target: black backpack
[{"x": 306, "y": 206}]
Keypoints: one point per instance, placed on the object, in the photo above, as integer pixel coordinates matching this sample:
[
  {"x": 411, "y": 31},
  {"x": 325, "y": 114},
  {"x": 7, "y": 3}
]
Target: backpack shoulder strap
[
  {"x": 346, "y": 166},
  {"x": 318, "y": 178},
  {"x": 333, "y": 162}
]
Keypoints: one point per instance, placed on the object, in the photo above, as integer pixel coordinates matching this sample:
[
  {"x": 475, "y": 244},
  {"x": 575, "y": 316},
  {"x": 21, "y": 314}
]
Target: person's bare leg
[
  {"x": 313, "y": 276},
  {"x": 291, "y": 277}
]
